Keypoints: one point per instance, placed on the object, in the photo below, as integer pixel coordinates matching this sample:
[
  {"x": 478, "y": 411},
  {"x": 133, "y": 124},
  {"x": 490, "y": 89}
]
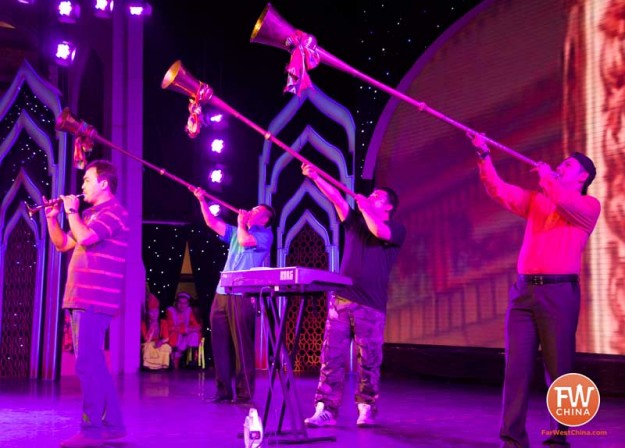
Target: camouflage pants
[{"x": 366, "y": 325}]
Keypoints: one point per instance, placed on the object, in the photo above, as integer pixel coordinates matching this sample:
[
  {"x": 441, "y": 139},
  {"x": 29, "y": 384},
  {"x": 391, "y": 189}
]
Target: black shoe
[
  {"x": 218, "y": 399},
  {"x": 559, "y": 441}
]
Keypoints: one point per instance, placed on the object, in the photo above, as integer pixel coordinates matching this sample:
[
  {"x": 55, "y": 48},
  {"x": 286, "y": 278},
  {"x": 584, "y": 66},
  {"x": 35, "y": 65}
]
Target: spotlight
[
  {"x": 215, "y": 119},
  {"x": 103, "y": 8},
  {"x": 65, "y": 53},
  {"x": 217, "y": 145},
  {"x": 67, "y": 11},
  {"x": 215, "y": 209},
  {"x": 216, "y": 175},
  {"x": 139, "y": 8}
]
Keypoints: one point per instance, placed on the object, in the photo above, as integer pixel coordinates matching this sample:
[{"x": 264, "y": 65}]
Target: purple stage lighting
[
  {"x": 68, "y": 11},
  {"x": 216, "y": 118},
  {"x": 217, "y": 145},
  {"x": 216, "y": 176},
  {"x": 103, "y": 8},
  {"x": 65, "y": 53},
  {"x": 139, "y": 8},
  {"x": 215, "y": 209},
  {"x": 26, "y": 2}
]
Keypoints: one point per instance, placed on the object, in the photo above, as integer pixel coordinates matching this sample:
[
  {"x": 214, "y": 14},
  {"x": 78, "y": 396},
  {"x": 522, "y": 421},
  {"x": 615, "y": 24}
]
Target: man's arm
[
  {"x": 81, "y": 233},
  {"x": 211, "y": 220},
  {"x": 339, "y": 202},
  {"x": 375, "y": 224},
  {"x": 512, "y": 197},
  {"x": 61, "y": 240}
]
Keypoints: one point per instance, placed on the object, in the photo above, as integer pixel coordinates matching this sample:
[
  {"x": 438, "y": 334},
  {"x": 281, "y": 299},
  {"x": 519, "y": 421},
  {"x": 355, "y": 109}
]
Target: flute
[{"x": 51, "y": 203}]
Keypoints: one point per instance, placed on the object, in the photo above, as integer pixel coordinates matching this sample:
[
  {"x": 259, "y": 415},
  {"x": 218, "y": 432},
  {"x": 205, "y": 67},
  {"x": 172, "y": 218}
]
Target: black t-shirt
[{"x": 368, "y": 261}]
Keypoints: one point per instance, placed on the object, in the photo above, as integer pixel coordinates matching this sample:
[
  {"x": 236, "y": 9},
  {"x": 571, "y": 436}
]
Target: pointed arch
[
  {"x": 35, "y": 348},
  {"x": 309, "y": 135}
]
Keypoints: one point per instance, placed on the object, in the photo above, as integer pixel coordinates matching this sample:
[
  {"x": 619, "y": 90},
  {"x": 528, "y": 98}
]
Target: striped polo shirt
[{"x": 96, "y": 273}]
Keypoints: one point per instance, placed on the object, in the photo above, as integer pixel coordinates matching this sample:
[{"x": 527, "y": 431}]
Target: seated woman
[
  {"x": 184, "y": 329},
  {"x": 155, "y": 336}
]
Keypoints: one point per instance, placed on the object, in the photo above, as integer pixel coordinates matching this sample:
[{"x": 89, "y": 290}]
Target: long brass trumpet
[
  {"x": 271, "y": 29},
  {"x": 51, "y": 203},
  {"x": 180, "y": 80},
  {"x": 66, "y": 122}
]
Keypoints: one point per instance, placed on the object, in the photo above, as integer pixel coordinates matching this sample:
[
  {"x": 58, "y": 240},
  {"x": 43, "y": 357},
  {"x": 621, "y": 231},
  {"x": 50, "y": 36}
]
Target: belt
[{"x": 548, "y": 278}]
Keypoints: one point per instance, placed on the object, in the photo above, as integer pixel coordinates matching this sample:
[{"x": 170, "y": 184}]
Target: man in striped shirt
[{"x": 93, "y": 294}]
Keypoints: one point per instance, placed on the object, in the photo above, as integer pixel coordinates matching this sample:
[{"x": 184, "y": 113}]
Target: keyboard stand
[{"x": 281, "y": 368}]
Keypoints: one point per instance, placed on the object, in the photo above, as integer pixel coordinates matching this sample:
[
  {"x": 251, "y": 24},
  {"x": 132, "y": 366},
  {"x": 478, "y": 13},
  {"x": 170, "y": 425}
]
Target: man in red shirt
[{"x": 544, "y": 302}]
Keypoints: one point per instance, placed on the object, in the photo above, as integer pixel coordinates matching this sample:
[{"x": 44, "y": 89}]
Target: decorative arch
[
  {"x": 331, "y": 152},
  {"x": 26, "y": 123},
  {"x": 22, "y": 181},
  {"x": 35, "y": 123},
  {"x": 330, "y": 236},
  {"x": 326, "y": 105},
  {"x": 307, "y": 217},
  {"x": 46, "y": 92},
  {"x": 21, "y": 215}
]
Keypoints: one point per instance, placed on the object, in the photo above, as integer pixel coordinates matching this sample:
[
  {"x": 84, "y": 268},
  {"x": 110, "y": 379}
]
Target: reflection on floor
[{"x": 169, "y": 409}]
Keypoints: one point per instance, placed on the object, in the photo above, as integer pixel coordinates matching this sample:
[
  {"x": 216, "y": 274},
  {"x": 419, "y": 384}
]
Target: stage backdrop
[{"x": 545, "y": 77}]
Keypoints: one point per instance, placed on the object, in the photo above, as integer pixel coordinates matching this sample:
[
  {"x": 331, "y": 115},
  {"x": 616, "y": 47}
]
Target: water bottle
[{"x": 253, "y": 430}]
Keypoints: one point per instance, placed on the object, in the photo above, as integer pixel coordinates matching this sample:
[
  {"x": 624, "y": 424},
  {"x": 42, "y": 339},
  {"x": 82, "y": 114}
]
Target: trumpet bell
[
  {"x": 31, "y": 210},
  {"x": 67, "y": 122},
  {"x": 180, "y": 80},
  {"x": 271, "y": 29}
]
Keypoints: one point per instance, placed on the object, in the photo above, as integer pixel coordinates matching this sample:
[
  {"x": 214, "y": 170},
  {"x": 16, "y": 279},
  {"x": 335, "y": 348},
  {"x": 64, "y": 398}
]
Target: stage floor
[{"x": 169, "y": 409}]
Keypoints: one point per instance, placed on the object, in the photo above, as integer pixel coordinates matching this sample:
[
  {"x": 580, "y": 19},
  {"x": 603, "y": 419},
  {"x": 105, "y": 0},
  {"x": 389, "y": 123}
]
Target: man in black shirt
[{"x": 372, "y": 243}]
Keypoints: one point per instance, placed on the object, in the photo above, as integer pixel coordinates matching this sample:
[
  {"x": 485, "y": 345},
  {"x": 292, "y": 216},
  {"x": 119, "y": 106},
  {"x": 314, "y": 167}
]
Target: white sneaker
[
  {"x": 365, "y": 416},
  {"x": 322, "y": 417}
]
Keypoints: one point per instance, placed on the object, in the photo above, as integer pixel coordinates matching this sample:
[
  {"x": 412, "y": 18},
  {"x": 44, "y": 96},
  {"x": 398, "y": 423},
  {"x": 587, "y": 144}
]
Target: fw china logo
[{"x": 573, "y": 399}]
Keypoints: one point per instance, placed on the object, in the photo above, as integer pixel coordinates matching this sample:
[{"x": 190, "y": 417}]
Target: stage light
[
  {"x": 65, "y": 53},
  {"x": 217, "y": 145},
  {"x": 26, "y": 2},
  {"x": 216, "y": 175},
  {"x": 68, "y": 11},
  {"x": 215, "y": 119},
  {"x": 139, "y": 8},
  {"x": 215, "y": 209},
  {"x": 103, "y": 8}
]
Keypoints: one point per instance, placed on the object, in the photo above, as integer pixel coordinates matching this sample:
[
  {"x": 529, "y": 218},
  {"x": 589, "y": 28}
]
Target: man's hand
[
  {"x": 309, "y": 171},
  {"x": 546, "y": 176},
  {"x": 243, "y": 218},
  {"x": 51, "y": 211},
  {"x": 480, "y": 145},
  {"x": 544, "y": 170},
  {"x": 363, "y": 202},
  {"x": 71, "y": 203},
  {"x": 199, "y": 194}
]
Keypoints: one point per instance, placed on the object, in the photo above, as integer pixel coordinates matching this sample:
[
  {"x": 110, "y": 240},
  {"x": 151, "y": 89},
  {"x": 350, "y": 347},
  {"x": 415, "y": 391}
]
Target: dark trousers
[
  {"x": 233, "y": 321},
  {"x": 537, "y": 314}
]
